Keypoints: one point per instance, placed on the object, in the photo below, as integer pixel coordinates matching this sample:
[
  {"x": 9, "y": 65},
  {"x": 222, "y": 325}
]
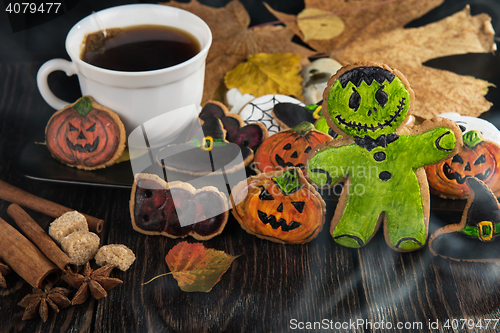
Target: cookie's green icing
[
  {"x": 83, "y": 106},
  {"x": 303, "y": 128},
  {"x": 369, "y": 109},
  {"x": 369, "y": 196},
  {"x": 321, "y": 125},
  {"x": 288, "y": 182},
  {"x": 205, "y": 143},
  {"x": 313, "y": 107},
  {"x": 472, "y": 138}
]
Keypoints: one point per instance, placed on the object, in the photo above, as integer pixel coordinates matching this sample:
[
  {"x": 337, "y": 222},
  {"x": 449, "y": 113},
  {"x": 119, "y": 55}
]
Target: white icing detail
[
  {"x": 487, "y": 129},
  {"x": 237, "y": 100},
  {"x": 259, "y": 110}
]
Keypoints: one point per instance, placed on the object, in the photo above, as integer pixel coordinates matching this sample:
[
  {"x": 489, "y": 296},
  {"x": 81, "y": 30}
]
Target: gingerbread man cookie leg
[{"x": 356, "y": 235}]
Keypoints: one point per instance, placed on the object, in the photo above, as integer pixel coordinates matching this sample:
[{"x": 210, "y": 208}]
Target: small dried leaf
[
  {"x": 264, "y": 74},
  {"x": 319, "y": 24},
  {"x": 197, "y": 268}
]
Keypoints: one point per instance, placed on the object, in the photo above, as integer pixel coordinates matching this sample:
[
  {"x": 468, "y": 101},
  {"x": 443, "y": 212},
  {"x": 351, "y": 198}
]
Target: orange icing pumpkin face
[
  {"x": 289, "y": 148},
  {"x": 280, "y": 206},
  {"x": 85, "y": 135},
  {"x": 477, "y": 158},
  {"x": 81, "y": 134}
]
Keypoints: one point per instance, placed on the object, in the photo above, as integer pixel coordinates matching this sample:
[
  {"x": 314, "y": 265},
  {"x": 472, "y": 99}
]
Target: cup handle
[{"x": 43, "y": 86}]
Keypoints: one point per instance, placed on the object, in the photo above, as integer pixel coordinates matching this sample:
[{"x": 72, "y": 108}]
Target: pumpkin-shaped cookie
[
  {"x": 85, "y": 135},
  {"x": 280, "y": 206},
  {"x": 477, "y": 158},
  {"x": 176, "y": 209},
  {"x": 288, "y": 148}
]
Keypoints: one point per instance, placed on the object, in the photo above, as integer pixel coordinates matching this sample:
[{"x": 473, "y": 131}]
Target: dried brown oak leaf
[
  {"x": 374, "y": 31},
  {"x": 97, "y": 283},
  {"x": 4, "y": 270},
  {"x": 40, "y": 301},
  {"x": 233, "y": 40}
]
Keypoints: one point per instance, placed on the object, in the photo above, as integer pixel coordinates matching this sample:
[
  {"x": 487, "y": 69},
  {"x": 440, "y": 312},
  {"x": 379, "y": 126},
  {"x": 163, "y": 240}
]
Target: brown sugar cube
[
  {"x": 67, "y": 224},
  {"x": 117, "y": 254},
  {"x": 80, "y": 246}
]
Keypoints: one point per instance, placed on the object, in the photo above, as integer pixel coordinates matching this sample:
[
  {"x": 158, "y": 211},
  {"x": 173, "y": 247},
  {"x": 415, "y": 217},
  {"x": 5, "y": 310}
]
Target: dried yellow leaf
[
  {"x": 318, "y": 24},
  {"x": 265, "y": 73}
]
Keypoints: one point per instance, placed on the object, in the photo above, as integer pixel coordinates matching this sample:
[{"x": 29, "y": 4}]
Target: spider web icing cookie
[{"x": 260, "y": 110}]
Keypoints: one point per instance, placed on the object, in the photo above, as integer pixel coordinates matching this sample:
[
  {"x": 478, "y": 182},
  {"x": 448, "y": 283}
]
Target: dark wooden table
[{"x": 269, "y": 287}]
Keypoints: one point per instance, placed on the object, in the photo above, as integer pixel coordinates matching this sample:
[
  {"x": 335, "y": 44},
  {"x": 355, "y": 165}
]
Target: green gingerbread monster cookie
[{"x": 379, "y": 159}]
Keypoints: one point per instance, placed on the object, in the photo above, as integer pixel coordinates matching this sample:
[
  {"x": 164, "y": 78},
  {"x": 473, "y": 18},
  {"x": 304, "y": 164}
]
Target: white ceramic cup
[{"x": 135, "y": 96}]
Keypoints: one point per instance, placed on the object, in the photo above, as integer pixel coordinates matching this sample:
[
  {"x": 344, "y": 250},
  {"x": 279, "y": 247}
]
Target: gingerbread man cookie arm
[
  {"x": 434, "y": 140},
  {"x": 328, "y": 166}
]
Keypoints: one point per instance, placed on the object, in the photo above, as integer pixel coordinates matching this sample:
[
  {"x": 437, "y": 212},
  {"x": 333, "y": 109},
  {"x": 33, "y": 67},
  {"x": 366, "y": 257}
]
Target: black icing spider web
[{"x": 264, "y": 116}]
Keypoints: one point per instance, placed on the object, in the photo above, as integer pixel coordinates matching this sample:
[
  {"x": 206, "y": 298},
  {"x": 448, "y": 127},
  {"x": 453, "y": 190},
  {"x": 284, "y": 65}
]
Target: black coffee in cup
[{"x": 139, "y": 48}]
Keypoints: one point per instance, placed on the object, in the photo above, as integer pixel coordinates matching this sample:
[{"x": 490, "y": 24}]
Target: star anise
[
  {"x": 92, "y": 282},
  {"x": 40, "y": 301},
  {"x": 4, "y": 270}
]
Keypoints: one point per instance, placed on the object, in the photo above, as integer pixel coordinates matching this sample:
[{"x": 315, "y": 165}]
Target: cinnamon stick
[
  {"x": 26, "y": 259},
  {"x": 41, "y": 239},
  {"x": 16, "y": 195}
]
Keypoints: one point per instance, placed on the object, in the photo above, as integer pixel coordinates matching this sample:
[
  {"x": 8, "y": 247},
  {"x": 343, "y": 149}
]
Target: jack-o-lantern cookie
[
  {"x": 280, "y": 206},
  {"x": 288, "y": 148},
  {"x": 85, "y": 135},
  {"x": 475, "y": 237},
  {"x": 477, "y": 158},
  {"x": 379, "y": 159},
  {"x": 176, "y": 209}
]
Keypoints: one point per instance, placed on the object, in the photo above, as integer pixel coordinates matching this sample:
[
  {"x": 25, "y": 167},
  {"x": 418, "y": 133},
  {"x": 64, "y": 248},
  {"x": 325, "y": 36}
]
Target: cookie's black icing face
[{"x": 368, "y": 101}]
